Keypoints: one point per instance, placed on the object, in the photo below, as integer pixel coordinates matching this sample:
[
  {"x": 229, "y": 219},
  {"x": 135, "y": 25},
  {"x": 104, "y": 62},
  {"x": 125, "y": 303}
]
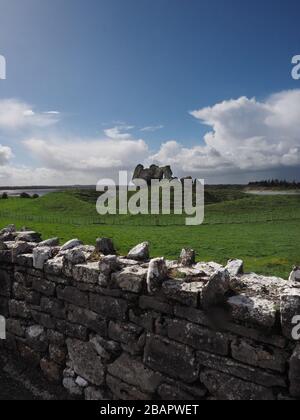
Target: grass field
[{"x": 264, "y": 231}]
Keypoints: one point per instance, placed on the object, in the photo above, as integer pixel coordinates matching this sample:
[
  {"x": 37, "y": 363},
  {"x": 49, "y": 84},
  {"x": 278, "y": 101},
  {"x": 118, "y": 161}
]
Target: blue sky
[{"x": 140, "y": 67}]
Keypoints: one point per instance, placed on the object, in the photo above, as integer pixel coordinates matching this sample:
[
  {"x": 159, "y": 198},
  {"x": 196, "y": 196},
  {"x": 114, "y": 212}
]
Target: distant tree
[
  {"x": 275, "y": 183},
  {"x": 35, "y": 196},
  {"x": 25, "y": 195},
  {"x": 4, "y": 196}
]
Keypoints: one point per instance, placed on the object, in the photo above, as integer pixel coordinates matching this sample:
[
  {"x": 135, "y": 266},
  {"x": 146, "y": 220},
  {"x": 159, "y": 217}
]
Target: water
[
  {"x": 273, "y": 192},
  {"x": 40, "y": 192}
]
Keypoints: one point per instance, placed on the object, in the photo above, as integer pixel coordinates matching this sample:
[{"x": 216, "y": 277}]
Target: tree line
[{"x": 275, "y": 183}]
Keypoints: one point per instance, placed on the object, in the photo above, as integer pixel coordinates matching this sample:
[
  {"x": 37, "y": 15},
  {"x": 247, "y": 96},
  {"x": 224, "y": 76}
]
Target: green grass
[{"x": 264, "y": 231}]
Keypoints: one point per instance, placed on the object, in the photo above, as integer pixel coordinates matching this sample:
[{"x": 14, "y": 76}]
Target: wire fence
[{"x": 154, "y": 220}]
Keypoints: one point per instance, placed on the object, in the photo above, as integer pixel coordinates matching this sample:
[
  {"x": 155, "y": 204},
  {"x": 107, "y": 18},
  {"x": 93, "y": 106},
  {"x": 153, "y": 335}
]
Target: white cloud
[
  {"x": 23, "y": 175},
  {"x": 119, "y": 132},
  {"x": 198, "y": 159},
  {"x": 152, "y": 128},
  {"x": 87, "y": 155},
  {"x": 247, "y": 135},
  {"x": 5, "y": 154},
  {"x": 65, "y": 162},
  {"x": 15, "y": 115},
  {"x": 59, "y": 159}
]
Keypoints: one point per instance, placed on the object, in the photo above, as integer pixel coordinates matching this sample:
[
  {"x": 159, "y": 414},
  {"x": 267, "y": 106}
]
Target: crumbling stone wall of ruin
[{"x": 111, "y": 327}]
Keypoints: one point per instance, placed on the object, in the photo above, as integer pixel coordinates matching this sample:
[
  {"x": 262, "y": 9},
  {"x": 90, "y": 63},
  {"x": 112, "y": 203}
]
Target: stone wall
[{"x": 110, "y": 327}]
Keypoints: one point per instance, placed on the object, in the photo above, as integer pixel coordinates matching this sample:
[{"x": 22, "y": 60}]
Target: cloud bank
[
  {"x": 244, "y": 135},
  {"x": 5, "y": 155},
  {"x": 16, "y": 115},
  {"x": 89, "y": 155}
]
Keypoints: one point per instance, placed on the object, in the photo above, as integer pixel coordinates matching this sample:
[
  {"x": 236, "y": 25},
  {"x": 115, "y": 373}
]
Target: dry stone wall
[{"x": 111, "y": 327}]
